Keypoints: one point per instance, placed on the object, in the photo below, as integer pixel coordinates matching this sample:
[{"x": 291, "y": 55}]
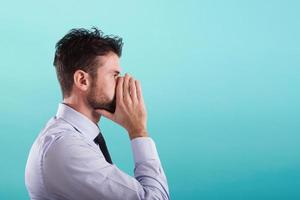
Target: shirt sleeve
[{"x": 74, "y": 169}]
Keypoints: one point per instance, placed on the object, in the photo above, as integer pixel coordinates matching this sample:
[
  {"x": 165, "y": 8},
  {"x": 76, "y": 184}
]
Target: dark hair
[{"x": 78, "y": 49}]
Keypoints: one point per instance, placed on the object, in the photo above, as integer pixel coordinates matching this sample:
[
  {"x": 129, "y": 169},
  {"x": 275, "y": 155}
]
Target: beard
[{"x": 97, "y": 100}]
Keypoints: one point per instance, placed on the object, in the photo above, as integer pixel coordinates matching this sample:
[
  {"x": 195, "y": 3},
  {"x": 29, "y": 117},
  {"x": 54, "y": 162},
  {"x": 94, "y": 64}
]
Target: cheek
[
  {"x": 113, "y": 87},
  {"x": 110, "y": 86}
]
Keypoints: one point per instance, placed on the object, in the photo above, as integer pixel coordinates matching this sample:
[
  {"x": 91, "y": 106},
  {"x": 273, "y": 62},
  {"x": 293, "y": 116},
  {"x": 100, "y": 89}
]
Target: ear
[{"x": 81, "y": 80}]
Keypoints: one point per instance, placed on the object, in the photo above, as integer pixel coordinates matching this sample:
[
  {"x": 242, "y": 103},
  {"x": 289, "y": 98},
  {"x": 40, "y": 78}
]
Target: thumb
[{"x": 105, "y": 113}]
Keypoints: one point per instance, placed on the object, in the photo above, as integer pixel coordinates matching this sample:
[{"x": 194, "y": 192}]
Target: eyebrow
[{"x": 116, "y": 71}]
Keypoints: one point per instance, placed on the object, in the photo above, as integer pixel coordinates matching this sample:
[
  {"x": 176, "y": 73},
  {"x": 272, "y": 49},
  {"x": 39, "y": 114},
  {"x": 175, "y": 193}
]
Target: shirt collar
[{"x": 79, "y": 121}]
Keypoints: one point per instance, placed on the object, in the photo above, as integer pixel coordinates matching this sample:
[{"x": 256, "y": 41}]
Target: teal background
[{"x": 220, "y": 81}]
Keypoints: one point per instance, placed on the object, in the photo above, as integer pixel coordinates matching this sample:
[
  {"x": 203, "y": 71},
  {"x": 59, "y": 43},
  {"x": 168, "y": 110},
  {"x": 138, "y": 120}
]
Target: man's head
[{"x": 87, "y": 66}]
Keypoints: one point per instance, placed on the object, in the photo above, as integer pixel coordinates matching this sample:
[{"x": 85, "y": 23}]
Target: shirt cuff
[{"x": 143, "y": 149}]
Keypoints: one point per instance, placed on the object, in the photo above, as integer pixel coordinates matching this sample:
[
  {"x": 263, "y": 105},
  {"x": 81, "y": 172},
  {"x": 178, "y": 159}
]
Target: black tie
[{"x": 101, "y": 142}]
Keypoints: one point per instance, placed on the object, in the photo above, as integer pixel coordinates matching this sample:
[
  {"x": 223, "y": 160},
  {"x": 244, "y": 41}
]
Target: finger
[
  {"x": 119, "y": 95},
  {"x": 139, "y": 90},
  {"x": 133, "y": 90},
  {"x": 126, "y": 95}
]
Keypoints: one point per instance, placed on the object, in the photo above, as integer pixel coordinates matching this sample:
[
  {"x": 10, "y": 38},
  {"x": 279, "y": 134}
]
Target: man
[{"x": 69, "y": 159}]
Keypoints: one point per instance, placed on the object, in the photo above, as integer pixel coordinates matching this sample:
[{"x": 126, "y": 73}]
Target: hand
[{"x": 130, "y": 110}]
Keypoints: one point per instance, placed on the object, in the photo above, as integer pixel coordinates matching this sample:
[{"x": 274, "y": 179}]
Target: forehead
[{"x": 108, "y": 62}]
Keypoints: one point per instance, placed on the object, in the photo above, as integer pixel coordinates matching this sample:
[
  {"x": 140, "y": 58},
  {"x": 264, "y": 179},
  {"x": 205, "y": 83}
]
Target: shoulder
[
  {"x": 62, "y": 139},
  {"x": 68, "y": 151},
  {"x": 57, "y": 137}
]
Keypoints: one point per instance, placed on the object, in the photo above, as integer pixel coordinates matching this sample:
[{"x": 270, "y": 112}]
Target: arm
[
  {"x": 76, "y": 170},
  {"x": 131, "y": 114},
  {"x": 148, "y": 169}
]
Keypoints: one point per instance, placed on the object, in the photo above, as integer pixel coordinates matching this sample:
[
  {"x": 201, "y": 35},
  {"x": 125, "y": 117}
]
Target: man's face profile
[{"x": 102, "y": 92}]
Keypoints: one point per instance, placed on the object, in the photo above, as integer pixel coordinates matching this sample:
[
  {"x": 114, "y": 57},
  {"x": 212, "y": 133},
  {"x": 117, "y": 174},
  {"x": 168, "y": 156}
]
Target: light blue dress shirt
[{"x": 65, "y": 163}]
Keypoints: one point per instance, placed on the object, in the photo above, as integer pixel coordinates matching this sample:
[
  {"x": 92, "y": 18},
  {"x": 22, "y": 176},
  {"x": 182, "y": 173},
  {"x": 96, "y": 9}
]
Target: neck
[{"x": 81, "y": 106}]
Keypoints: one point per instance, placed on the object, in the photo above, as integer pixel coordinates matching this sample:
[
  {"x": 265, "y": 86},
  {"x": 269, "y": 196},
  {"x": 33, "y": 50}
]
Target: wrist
[{"x": 135, "y": 134}]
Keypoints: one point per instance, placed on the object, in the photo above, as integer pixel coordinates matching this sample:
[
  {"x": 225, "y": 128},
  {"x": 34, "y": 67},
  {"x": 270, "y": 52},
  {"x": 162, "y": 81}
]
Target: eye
[{"x": 116, "y": 75}]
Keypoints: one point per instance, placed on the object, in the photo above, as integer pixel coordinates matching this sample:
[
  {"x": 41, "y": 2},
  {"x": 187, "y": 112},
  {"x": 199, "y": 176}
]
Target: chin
[{"x": 111, "y": 108}]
